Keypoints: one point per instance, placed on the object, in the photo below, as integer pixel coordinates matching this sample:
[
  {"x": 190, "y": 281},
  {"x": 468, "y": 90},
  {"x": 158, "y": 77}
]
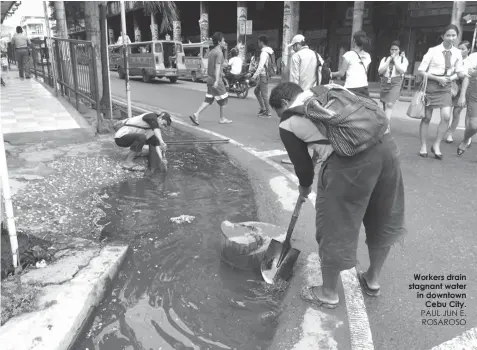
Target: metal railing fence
[{"x": 76, "y": 69}]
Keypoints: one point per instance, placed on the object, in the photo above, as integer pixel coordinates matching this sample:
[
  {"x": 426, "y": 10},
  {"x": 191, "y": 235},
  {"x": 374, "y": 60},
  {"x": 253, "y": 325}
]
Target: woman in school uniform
[
  {"x": 464, "y": 48},
  {"x": 391, "y": 69},
  {"x": 440, "y": 66},
  {"x": 355, "y": 65}
]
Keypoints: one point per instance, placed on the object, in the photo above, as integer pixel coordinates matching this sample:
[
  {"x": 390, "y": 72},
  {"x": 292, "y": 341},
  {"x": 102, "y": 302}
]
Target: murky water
[{"x": 173, "y": 292}]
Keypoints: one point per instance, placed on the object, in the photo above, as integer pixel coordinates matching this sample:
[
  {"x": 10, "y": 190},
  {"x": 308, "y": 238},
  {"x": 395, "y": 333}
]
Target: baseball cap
[{"x": 297, "y": 39}]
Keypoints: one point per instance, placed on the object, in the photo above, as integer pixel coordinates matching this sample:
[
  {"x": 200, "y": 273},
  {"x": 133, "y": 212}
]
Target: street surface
[{"x": 441, "y": 197}]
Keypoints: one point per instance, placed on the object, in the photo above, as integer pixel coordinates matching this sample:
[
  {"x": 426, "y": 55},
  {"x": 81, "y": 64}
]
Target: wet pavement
[
  {"x": 440, "y": 197},
  {"x": 173, "y": 292}
]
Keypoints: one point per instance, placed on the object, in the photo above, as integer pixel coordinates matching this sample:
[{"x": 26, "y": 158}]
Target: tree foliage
[
  {"x": 74, "y": 11},
  {"x": 167, "y": 9}
]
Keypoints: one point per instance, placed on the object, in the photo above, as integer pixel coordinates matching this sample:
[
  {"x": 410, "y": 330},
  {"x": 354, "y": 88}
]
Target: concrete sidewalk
[{"x": 30, "y": 111}]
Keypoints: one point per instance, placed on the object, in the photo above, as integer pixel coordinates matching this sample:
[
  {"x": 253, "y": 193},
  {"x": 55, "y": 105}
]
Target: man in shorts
[
  {"x": 215, "y": 85},
  {"x": 366, "y": 188}
]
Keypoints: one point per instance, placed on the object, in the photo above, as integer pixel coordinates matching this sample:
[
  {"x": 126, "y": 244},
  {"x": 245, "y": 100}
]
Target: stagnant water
[{"x": 173, "y": 292}]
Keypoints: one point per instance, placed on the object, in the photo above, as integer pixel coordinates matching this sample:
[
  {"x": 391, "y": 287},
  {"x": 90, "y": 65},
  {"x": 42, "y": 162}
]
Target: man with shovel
[
  {"x": 138, "y": 131},
  {"x": 366, "y": 187}
]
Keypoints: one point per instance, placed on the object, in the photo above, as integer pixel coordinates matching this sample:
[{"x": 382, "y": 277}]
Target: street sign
[
  {"x": 470, "y": 18},
  {"x": 242, "y": 30},
  {"x": 249, "y": 27}
]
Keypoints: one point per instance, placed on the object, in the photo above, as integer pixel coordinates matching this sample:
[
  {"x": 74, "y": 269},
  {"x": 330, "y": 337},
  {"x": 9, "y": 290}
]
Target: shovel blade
[{"x": 271, "y": 271}]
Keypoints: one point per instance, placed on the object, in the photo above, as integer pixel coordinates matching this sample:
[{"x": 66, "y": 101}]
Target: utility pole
[
  {"x": 125, "y": 52},
  {"x": 358, "y": 15},
  {"x": 457, "y": 10}
]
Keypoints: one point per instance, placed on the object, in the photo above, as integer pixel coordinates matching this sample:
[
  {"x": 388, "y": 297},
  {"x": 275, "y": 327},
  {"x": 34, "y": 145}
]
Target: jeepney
[
  {"x": 196, "y": 59},
  {"x": 115, "y": 56},
  {"x": 151, "y": 59}
]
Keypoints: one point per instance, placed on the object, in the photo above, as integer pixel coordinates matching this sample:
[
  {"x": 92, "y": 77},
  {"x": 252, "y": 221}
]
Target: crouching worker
[
  {"x": 138, "y": 131},
  {"x": 366, "y": 187}
]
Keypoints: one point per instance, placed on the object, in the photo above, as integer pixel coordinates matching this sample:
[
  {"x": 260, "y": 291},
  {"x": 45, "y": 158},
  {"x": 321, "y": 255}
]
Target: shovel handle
[{"x": 294, "y": 218}]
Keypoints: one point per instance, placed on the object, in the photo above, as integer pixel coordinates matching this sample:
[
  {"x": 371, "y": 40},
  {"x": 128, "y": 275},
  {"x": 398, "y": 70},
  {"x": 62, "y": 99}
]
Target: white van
[{"x": 151, "y": 59}]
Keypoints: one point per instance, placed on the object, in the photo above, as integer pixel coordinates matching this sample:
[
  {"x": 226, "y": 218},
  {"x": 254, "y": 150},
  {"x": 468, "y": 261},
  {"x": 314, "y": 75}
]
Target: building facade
[
  {"x": 326, "y": 25},
  {"x": 34, "y": 26}
]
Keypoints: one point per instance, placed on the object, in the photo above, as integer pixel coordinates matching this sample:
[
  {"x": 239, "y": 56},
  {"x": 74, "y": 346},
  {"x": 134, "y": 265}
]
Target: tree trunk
[
  {"x": 204, "y": 21},
  {"x": 93, "y": 34},
  {"x": 457, "y": 11},
  {"x": 137, "y": 30},
  {"x": 177, "y": 31},
  {"x": 358, "y": 14},
  {"x": 105, "y": 100},
  {"x": 62, "y": 28},
  {"x": 154, "y": 28},
  {"x": 291, "y": 19}
]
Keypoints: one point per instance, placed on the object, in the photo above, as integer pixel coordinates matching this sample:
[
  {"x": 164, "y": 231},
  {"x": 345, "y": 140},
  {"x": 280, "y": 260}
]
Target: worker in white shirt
[{"x": 305, "y": 69}]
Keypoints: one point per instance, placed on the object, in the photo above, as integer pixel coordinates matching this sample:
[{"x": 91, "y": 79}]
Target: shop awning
[{"x": 8, "y": 8}]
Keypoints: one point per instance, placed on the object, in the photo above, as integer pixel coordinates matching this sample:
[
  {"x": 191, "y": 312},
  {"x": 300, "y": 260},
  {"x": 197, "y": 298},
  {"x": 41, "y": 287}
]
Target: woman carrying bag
[
  {"x": 391, "y": 70},
  {"x": 439, "y": 66}
]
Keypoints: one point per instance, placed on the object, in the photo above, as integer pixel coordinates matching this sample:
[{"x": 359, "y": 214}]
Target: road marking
[
  {"x": 360, "y": 330},
  {"x": 467, "y": 340},
  {"x": 286, "y": 195},
  {"x": 272, "y": 153}
]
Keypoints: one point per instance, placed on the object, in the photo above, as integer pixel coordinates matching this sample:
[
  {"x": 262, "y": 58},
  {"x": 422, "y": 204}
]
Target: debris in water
[
  {"x": 183, "y": 218},
  {"x": 174, "y": 194}
]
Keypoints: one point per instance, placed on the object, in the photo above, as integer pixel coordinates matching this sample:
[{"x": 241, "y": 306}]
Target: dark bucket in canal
[{"x": 173, "y": 291}]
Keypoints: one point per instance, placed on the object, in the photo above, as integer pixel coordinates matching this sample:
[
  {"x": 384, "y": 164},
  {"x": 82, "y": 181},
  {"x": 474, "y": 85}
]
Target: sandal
[
  {"x": 372, "y": 292},
  {"x": 460, "y": 151},
  {"x": 194, "y": 120},
  {"x": 307, "y": 294}
]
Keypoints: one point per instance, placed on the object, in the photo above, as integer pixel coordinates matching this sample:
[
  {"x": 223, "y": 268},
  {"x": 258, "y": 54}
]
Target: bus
[{"x": 154, "y": 59}]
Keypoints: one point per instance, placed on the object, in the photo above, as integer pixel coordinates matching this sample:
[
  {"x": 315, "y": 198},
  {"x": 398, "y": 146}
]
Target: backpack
[
  {"x": 325, "y": 71},
  {"x": 351, "y": 123},
  {"x": 271, "y": 65}
]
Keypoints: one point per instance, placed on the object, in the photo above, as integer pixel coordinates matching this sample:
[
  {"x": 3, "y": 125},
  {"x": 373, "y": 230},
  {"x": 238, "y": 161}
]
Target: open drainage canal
[{"x": 173, "y": 292}]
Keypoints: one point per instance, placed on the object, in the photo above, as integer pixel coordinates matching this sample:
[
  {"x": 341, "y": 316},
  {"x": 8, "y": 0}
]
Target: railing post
[
  {"x": 32, "y": 56},
  {"x": 58, "y": 67},
  {"x": 42, "y": 54},
  {"x": 75, "y": 72},
  {"x": 47, "y": 56},
  {"x": 96, "y": 87}
]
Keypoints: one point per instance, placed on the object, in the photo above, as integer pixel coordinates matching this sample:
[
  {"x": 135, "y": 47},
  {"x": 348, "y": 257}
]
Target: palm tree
[{"x": 168, "y": 11}]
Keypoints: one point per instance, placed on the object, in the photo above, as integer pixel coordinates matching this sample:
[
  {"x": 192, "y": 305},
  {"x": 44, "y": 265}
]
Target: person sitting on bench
[{"x": 135, "y": 132}]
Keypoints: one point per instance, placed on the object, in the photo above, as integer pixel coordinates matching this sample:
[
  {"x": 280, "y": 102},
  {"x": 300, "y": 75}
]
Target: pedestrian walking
[
  {"x": 262, "y": 75},
  {"x": 391, "y": 69},
  {"x": 355, "y": 65},
  {"x": 365, "y": 188},
  {"x": 305, "y": 69},
  {"x": 440, "y": 66},
  {"x": 469, "y": 96},
  {"x": 464, "y": 48},
  {"x": 215, "y": 83},
  {"x": 21, "y": 43}
]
